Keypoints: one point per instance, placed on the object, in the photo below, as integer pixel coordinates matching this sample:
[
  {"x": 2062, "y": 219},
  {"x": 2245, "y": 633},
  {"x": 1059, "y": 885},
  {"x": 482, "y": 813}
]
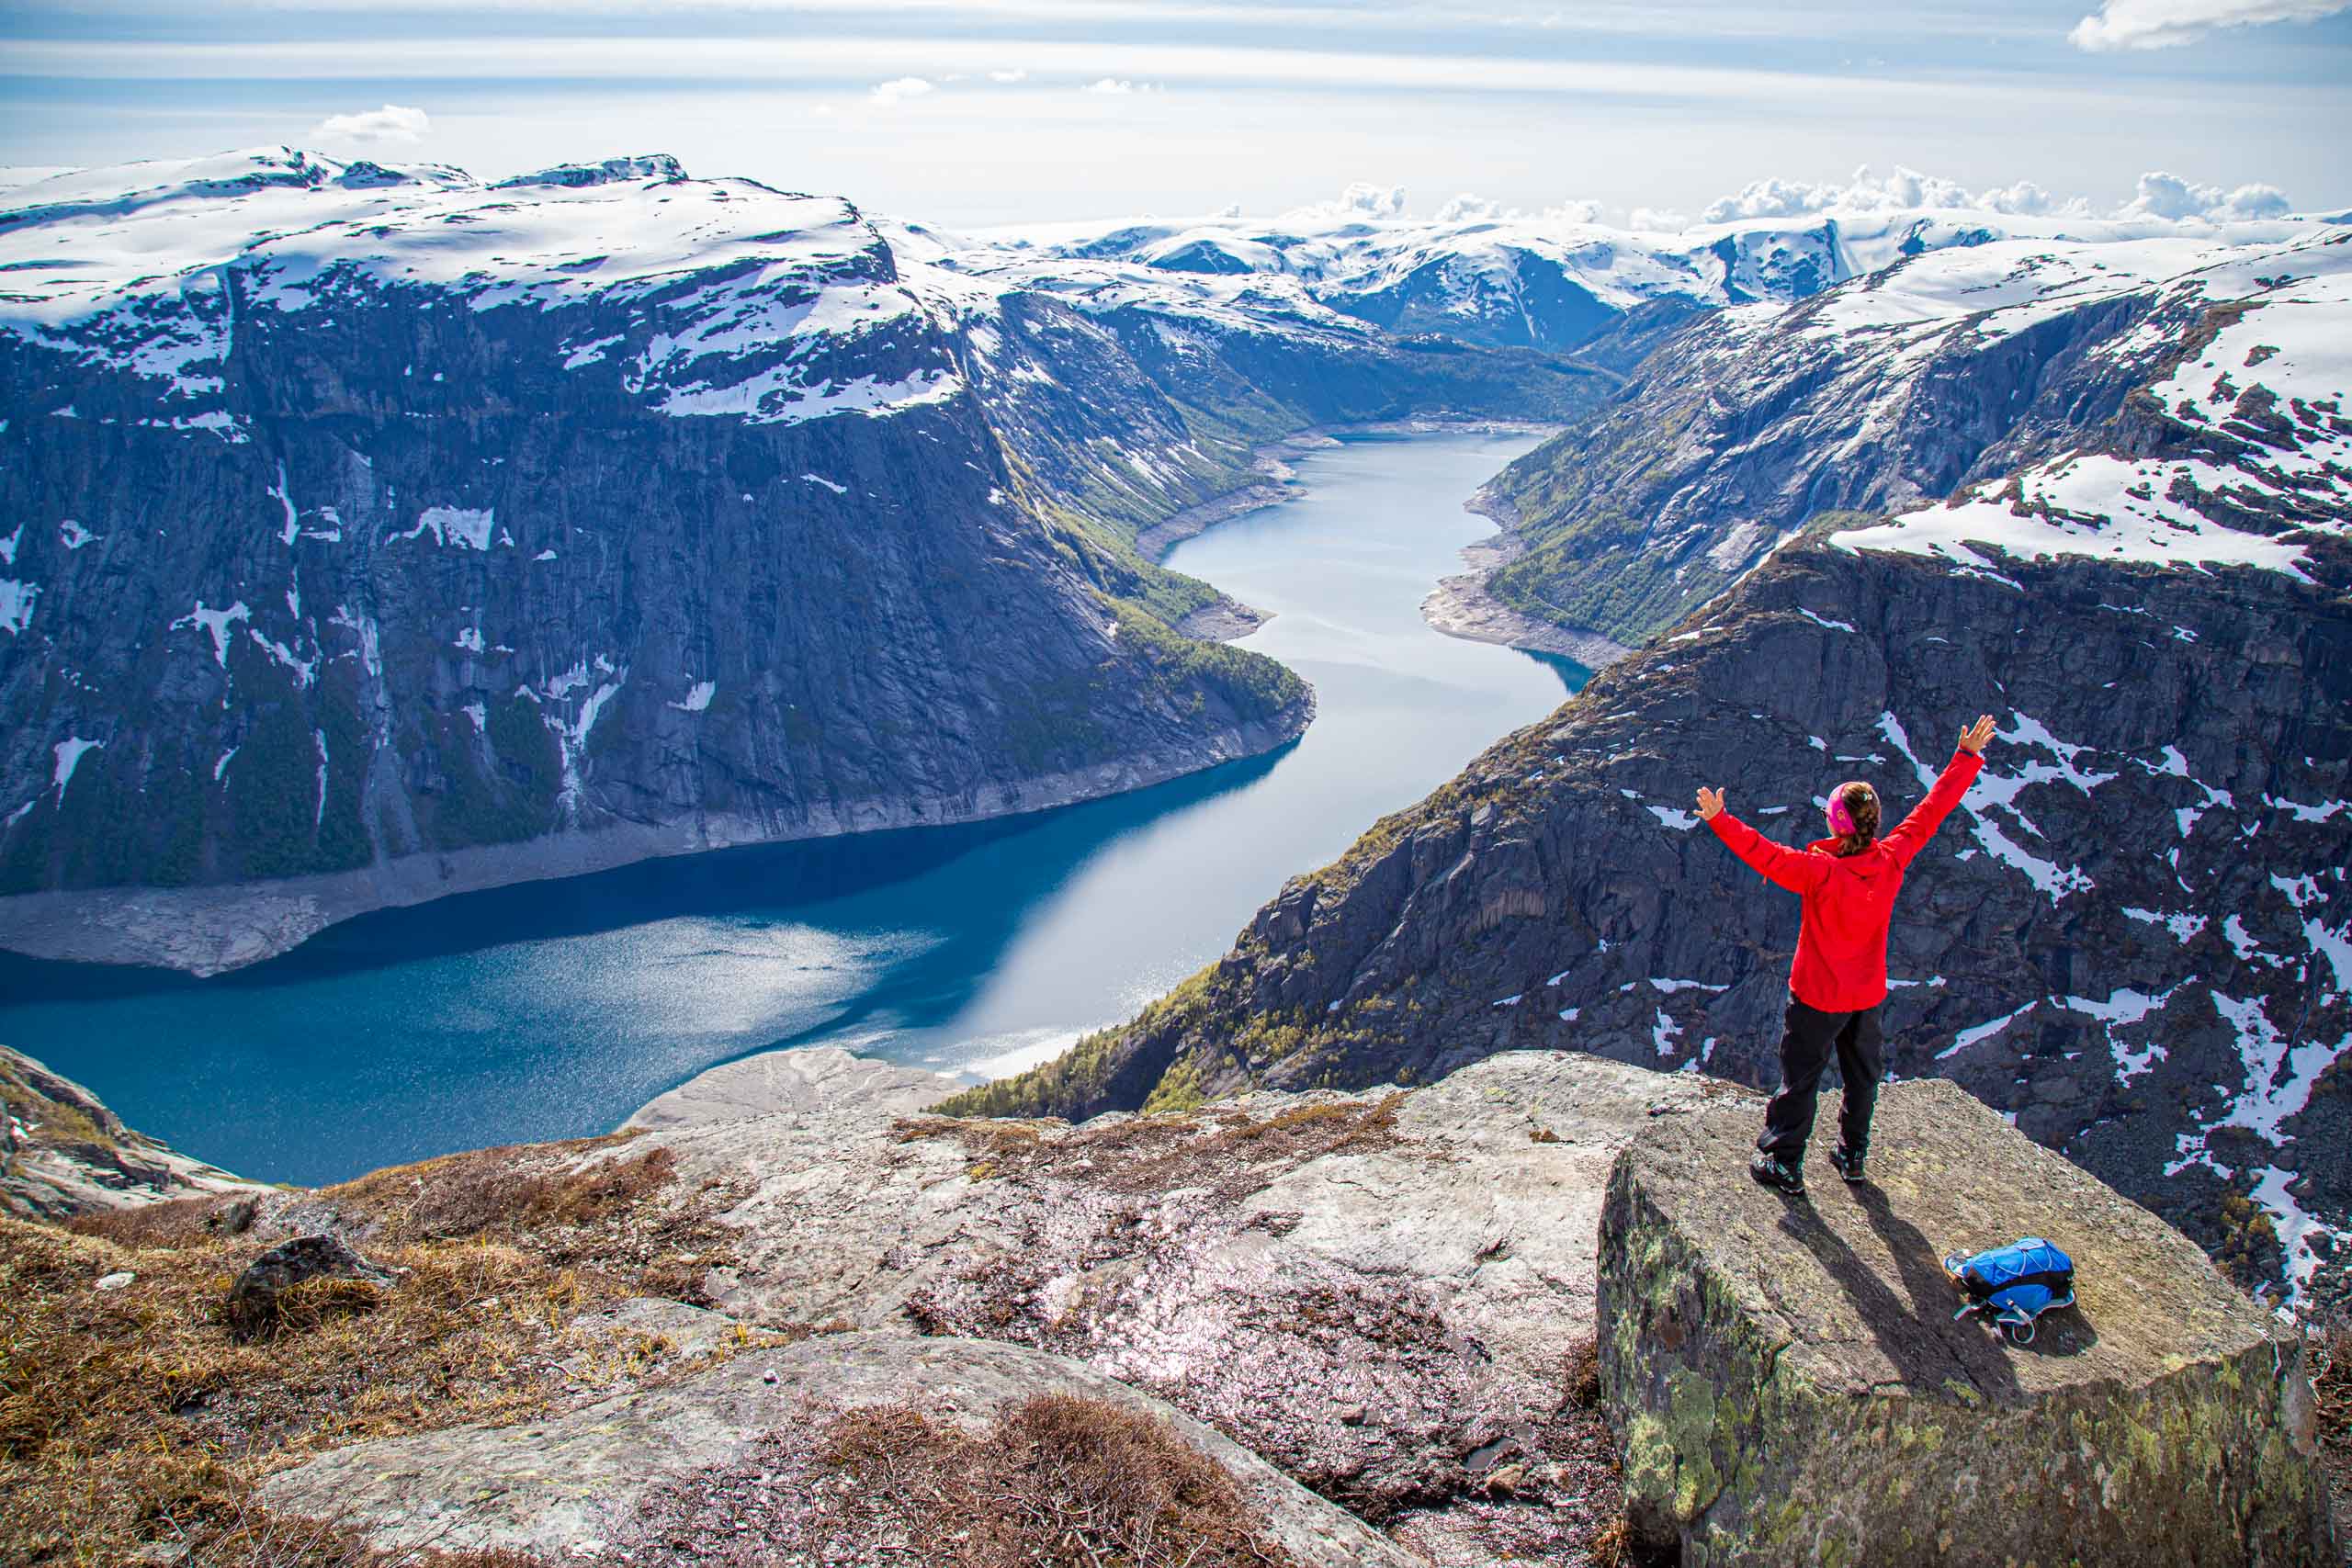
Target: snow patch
[
  {"x": 69, "y": 755},
  {"x": 17, "y": 604},
  {"x": 217, "y": 623},
  {"x": 1984, "y": 1030}
]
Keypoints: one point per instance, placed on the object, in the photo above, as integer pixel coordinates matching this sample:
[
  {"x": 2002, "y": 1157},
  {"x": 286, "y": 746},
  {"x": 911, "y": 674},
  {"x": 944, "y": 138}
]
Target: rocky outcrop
[
  {"x": 1377, "y": 1292},
  {"x": 777, "y": 1318},
  {"x": 1790, "y": 1385},
  {"x": 63, "y": 1153},
  {"x": 256, "y": 1303},
  {"x": 619, "y": 1478},
  {"x": 1389, "y": 1296}
]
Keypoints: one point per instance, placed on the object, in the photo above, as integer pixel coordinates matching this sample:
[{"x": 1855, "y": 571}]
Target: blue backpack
[{"x": 2014, "y": 1284}]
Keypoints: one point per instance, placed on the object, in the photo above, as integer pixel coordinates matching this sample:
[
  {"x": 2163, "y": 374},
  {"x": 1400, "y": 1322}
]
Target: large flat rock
[
  {"x": 1789, "y": 1384},
  {"x": 1377, "y": 1291},
  {"x": 600, "y": 1483}
]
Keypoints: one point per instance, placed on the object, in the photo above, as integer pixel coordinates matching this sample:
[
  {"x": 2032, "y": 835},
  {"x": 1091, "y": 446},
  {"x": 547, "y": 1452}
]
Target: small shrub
[{"x": 1582, "y": 1370}]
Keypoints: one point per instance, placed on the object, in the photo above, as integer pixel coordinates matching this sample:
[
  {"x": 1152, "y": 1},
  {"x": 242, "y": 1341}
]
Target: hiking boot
[
  {"x": 1775, "y": 1175},
  {"x": 1849, "y": 1163}
]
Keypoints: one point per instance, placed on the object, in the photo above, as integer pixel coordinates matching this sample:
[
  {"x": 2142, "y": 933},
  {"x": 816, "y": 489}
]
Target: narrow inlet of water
[{"x": 556, "y": 1008}]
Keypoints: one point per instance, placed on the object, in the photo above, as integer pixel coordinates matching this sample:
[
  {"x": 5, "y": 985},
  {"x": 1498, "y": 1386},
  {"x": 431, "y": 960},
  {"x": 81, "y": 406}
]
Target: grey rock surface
[
  {"x": 1378, "y": 1293},
  {"x": 573, "y": 1486},
  {"x": 1790, "y": 1383}
]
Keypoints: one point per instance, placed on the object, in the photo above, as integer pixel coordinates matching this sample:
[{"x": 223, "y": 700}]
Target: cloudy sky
[{"x": 1018, "y": 110}]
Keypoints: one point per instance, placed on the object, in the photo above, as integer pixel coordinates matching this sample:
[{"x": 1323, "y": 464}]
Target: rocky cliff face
[
  {"x": 378, "y": 533},
  {"x": 2132, "y": 938}
]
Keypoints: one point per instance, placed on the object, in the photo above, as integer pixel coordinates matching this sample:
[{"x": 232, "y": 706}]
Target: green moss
[{"x": 1081, "y": 1075}]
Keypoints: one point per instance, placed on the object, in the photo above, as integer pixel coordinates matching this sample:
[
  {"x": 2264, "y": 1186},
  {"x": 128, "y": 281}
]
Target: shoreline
[
  {"x": 215, "y": 930},
  {"x": 1460, "y": 605},
  {"x": 211, "y": 931}
]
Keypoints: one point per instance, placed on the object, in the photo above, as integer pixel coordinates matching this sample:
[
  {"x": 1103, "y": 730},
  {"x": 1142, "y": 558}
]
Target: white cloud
[
  {"x": 2166, "y": 24},
  {"x": 1013, "y": 76},
  {"x": 2168, "y": 196},
  {"x": 1575, "y": 212},
  {"x": 394, "y": 122},
  {"x": 1657, "y": 219},
  {"x": 1468, "y": 208},
  {"x": 1118, "y": 87},
  {"x": 1362, "y": 199},
  {"x": 2159, "y": 194},
  {"x": 900, "y": 90},
  {"x": 1230, "y": 209},
  {"x": 2028, "y": 200},
  {"x": 1866, "y": 192}
]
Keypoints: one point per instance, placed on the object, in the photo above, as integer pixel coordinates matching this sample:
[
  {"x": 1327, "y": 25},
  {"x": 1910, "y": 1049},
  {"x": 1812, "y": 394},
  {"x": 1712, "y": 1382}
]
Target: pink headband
[{"x": 1841, "y": 821}]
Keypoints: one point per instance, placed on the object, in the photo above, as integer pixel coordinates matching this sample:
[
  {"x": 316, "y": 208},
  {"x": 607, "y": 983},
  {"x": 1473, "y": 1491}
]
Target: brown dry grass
[
  {"x": 133, "y": 1414},
  {"x": 1581, "y": 1369},
  {"x": 1058, "y": 1481},
  {"x": 1233, "y": 1155},
  {"x": 2331, "y": 1370}
]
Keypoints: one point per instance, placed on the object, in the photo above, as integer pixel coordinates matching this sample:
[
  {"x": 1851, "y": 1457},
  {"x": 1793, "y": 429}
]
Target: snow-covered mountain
[
  {"x": 1953, "y": 374},
  {"x": 2103, "y": 491},
  {"x": 376, "y": 533},
  {"x": 1550, "y": 281}
]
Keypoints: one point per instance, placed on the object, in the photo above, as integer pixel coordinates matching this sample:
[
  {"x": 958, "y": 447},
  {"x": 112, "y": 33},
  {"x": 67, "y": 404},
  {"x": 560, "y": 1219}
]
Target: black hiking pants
[{"x": 1805, "y": 1052}]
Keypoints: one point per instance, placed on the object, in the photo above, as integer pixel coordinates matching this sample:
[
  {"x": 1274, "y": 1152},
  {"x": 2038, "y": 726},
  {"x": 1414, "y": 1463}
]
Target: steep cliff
[
  {"x": 378, "y": 534},
  {"x": 2135, "y": 938}
]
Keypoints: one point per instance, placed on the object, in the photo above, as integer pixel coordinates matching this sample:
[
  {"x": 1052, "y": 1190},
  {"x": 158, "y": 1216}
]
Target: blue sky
[{"x": 968, "y": 114}]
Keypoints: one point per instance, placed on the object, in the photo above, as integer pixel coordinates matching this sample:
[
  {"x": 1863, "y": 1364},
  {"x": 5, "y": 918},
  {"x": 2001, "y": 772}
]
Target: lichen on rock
[{"x": 1787, "y": 1382}]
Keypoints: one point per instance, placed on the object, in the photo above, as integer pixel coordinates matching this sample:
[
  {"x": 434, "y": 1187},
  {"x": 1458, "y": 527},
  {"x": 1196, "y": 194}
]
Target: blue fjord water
[{"x": 555, "y": 1008}]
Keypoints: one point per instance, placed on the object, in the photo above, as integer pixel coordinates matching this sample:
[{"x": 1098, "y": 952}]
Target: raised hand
[
  {"x": 1711, "y": 801},
  {"x": 1975, "y": 737}
]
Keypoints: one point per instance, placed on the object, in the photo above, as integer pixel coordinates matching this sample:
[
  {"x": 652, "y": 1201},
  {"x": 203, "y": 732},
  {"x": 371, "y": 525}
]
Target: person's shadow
[{"x": 1918, "y": 1337}]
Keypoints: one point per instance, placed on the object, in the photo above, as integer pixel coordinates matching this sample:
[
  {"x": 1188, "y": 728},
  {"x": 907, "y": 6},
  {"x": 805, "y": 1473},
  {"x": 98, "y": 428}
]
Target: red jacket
[{"x": 1849, "y": 899}]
